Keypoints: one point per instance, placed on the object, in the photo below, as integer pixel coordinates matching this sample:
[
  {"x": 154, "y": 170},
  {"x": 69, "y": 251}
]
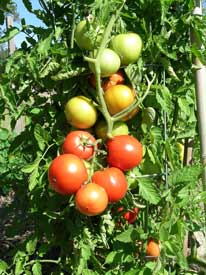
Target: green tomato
[
  {"x": 82, "y": 40},
  {"x": 128, "y": 46},
  {"x": 109, "y": 63},
  {"x": 119, "y": 128},
  {"x": 80, "y": 112}
]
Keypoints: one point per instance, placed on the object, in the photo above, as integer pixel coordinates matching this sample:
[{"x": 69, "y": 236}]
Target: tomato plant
[
  {"x": 67, "y": 173},
  {"x": 80, "y": 112},
  {"x": 113, "y": 181},
  {"x": 128, "y": 46},
  {"x": 79, "y": 143},
  {"x": 91, "y": 199},
  {"x": 118, "y": 98},
  {"x": 124, "y": 152},
  {"x": 49, "y": 68}
]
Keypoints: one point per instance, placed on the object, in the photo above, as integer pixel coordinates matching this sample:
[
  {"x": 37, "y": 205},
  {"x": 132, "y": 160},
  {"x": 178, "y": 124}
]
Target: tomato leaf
[
  {"x": 148, "y": 191},
  {"x": 33, "y": 178},
  {"x": 31, "y": 245},
  {"x": 36, "y": 269},
  {"x": 3, "y": 266},
  {"x": 41, "y": 135},
  {"x": 10, "y": 33},
  {"x": 185, "y": 174},
  {"x": 127, "y": 236}
]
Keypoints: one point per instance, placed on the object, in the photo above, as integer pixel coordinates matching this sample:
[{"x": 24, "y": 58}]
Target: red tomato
[
  {"x": 152, "y": 248},
  {"x": 91, "y": 199},
  {"x": 130, "y": 215},
  {"x": 79, "y": 143},
  {"x": 113, "y": 181},
  {"x": 124, "y": 152},
  {"x": 67, "y": 173}
]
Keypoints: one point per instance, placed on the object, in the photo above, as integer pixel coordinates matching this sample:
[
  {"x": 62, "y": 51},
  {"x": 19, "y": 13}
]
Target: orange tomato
[
  {"x": 152, "y": 248},
  {"x": 118, "y": 98}
]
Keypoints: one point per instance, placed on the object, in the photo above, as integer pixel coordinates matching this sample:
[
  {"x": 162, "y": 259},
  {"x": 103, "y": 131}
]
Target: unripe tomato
[
  {"x": 119, "y": 128},
  {"x": 124, "y": 152},
  {"x": 128, "y": 46},
  {"x": 82, "y": 40},
  {"x": 80, "y": 112},
  {"x": 113, "y": 181},
  {"x": 67, "y": 173},
  {"x": 109, "y": 63},
  {"x": 79, "y": 143},
  {"x": 91, "y": 199},
  {"x": 118, "y": 98},
  {"x": 152, "y": 248}
]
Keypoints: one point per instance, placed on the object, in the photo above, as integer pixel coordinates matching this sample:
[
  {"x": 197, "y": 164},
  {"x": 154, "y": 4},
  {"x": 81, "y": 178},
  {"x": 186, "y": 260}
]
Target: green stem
[
  {"x": 73, "y": 28},
  {"x": 96, "y": 62},
  {"x": 43, "y": 261}
]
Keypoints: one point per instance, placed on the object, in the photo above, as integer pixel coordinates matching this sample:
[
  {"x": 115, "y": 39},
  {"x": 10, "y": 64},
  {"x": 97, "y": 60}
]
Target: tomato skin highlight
[
  {"x": 66, "y": 174},
  {"x": 113, "y": 181},
  {"x": 80, "y": 112},
  {"x": 79, "y": 143},
  {"x": 152, "y": 248},
  {"x": 91, "y": 199},
  {"x": 118, "y": 98},
  {"x": 128, "y": 46},
  {"x": 124, "y": 152}
]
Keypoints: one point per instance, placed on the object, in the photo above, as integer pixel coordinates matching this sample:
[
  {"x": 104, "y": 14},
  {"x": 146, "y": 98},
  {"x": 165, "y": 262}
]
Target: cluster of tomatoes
[{"x": 68, "y": 173}]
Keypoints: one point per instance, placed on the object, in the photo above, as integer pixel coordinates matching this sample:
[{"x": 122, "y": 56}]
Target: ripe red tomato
[
  {"x": 91, "y": 199},
  {"x": 152, "y": 248},
  {"x": 113, "y": 181},
  {"x": 124, "y": 152},
  {"x": 79, "y": 143},
  {"x": 67, "y": 173},
  {"x": 80, "y": 112},
  {"x": 109, "y": 63},
  {"x": 130, "y": 215},
  {"x": 128, "y": 46},
  {"x": 118, "y": 98}
]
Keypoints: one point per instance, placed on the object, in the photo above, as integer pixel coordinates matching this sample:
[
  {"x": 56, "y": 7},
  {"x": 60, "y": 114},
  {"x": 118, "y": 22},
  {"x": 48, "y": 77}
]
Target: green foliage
[{"x": 37, "y": 81}]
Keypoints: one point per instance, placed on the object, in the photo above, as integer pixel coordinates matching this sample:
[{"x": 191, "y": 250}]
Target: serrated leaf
[
  {"x": 30, "y": 167},
  {"x": 127, "y": 236},
  {"x": 19, "y": 267},
  {"x": 185, "y": 174},
  {"x": 33, "y": 178},
  {"x": 164, "y": 99},
  {"x": 110, "y": 257},
  {"x": 3, "y": 266},
  {"x": 43, "y": 46},
  {"x": 41, "y": 136},
  {"x": 148, "y": 191},
  {"x": 37, "y": 269},
  {"x": 31, "y": 245}
]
